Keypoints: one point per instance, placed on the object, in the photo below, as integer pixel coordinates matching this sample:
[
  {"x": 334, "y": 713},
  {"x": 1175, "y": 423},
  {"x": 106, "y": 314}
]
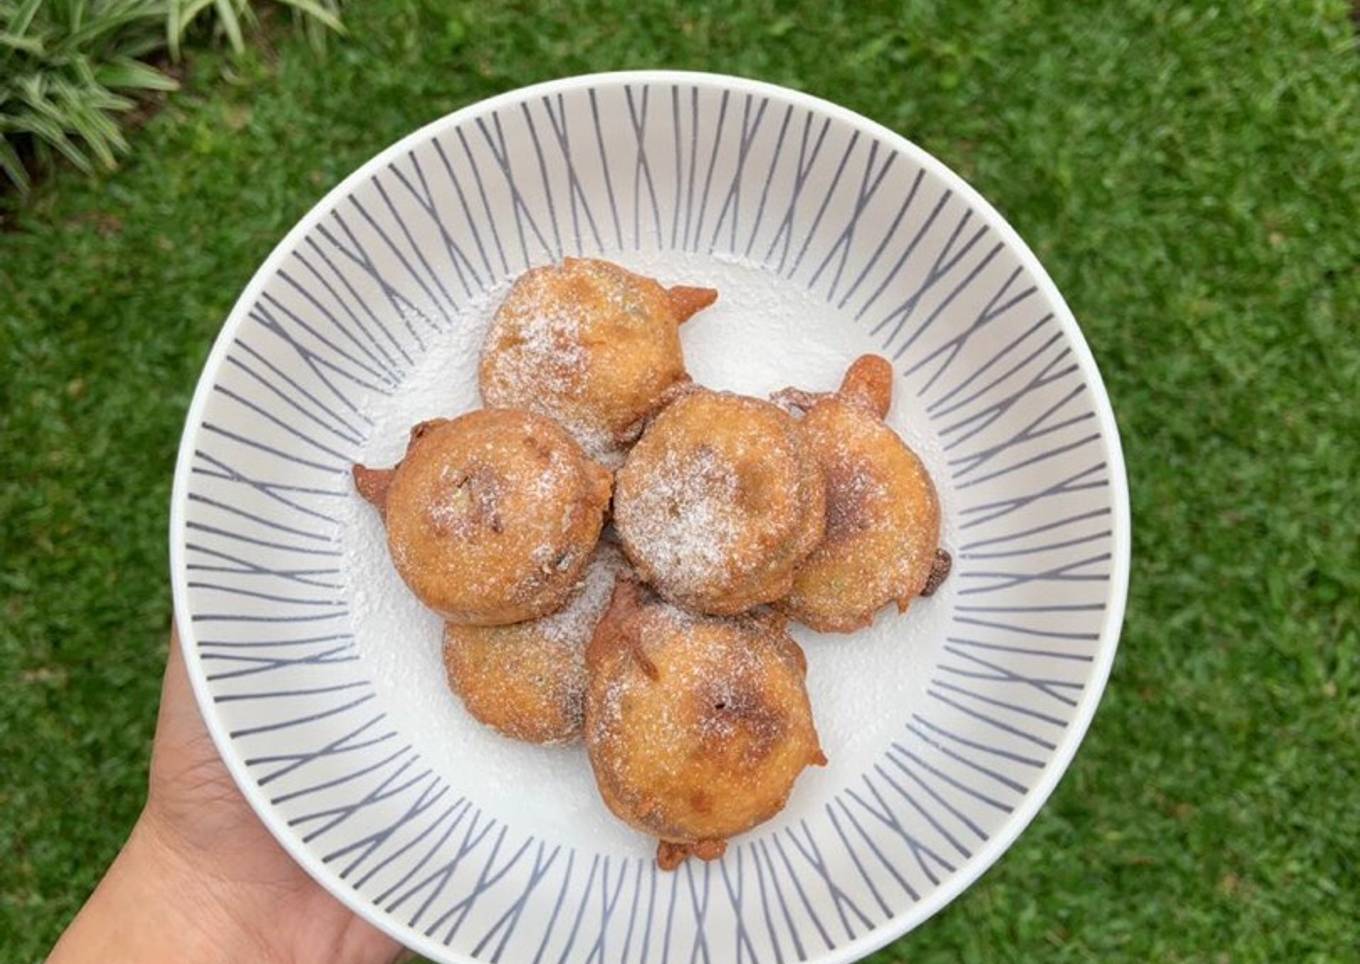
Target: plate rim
[{"x": 1107, "y": 643}]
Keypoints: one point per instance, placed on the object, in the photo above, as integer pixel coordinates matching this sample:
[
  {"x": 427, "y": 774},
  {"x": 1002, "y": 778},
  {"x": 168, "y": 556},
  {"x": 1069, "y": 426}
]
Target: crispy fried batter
[
  {"x": 528, "y": 680},
  {"x": 719, "y": 502},
  {"x": 372, "y": 485},
  {"x": 709, "y": 742},
  {"x": 670, "y": 855},
  {"x": 939, "y": 572},
  {"x": 883, "y": 516},
  {"x": 592, "y": 345},
  {"x": 868, "y": 384},
  {"x": 491, "y": 517}
]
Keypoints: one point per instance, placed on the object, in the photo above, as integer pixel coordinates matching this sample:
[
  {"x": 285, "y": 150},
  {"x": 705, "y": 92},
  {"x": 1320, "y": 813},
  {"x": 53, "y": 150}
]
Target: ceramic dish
[{"x": 827, "y": 236}]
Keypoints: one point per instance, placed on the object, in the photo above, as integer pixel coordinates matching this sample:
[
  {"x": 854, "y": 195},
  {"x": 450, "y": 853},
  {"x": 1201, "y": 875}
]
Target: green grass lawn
[{"x": 1191, "y": 179}]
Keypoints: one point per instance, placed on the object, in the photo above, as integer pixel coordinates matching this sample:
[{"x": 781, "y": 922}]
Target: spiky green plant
[
  {"x": 67, "y": 68},
  {"x": 234, "y": 17}
]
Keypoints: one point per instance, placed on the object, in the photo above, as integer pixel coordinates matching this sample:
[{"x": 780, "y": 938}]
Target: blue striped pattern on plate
[{"x": 894, "y": 248}]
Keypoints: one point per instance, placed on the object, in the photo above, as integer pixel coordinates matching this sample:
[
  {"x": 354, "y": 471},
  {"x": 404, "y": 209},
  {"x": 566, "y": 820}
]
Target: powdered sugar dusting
[
  {"x": 538, "y": 353},
  {"x": 463, "y": 498},
  {"x": 549, "y": 354},
  {"x": 721, "y": 686},
  {"x": 547, "y": 361},
  {"x": 683, "y": 521},
  {"x": 442, "y": 384},
  {"x": 762, "y": 335},
  {"x": 528, "y": 679},
  {"x": 551, "y": 476},
  {"x": 573, "y": 624}
]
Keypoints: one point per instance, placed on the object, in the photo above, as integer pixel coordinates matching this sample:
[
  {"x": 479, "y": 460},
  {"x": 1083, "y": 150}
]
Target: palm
[{"x": 195, "y": 806}]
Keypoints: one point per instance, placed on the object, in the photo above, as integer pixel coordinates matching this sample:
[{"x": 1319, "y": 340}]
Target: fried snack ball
[
  {"x": 491, "y": 516},
  {"x": 696, "y": 726},
  {"x": 882, "y": 514},
  {"x": 528, "y": 680},
  {"x": 592, "y": 345},
  {"x": 719, "y": 502}
]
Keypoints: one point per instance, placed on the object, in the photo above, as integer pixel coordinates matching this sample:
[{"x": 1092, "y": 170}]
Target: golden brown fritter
[
  {"x": 719, "y": 501},
  {"x": 528, "y": 680},
  {"x": 592, "y": 345},
  {"x": 696, "y": 726},
  {"x": 882, "y": 513},
  {"x": 492, "y": 516}
]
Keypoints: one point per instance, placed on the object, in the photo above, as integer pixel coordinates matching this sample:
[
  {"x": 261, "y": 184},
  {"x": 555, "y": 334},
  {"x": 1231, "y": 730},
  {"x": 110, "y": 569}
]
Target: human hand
[{"x": 200, "y": 878}]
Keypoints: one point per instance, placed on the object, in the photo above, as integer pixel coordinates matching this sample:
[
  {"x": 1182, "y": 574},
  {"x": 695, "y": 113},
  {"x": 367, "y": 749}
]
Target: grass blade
[
  {"x": 226, "y": 13},
  {"x": 103, "y": 27},
  {"x": 13, "y": 166},
  {"x": 173, "y": 28},
  {"x": 23, "y": 17},
  {"x": 51, "y": 134},
  {"x": 316, "y": 12},
  {"x": 30, "y": 45},
  {"x": 124, "y": 73}
]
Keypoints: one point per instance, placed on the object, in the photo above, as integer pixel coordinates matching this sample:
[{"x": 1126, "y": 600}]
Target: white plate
[{"x": 827, "y": 236}]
